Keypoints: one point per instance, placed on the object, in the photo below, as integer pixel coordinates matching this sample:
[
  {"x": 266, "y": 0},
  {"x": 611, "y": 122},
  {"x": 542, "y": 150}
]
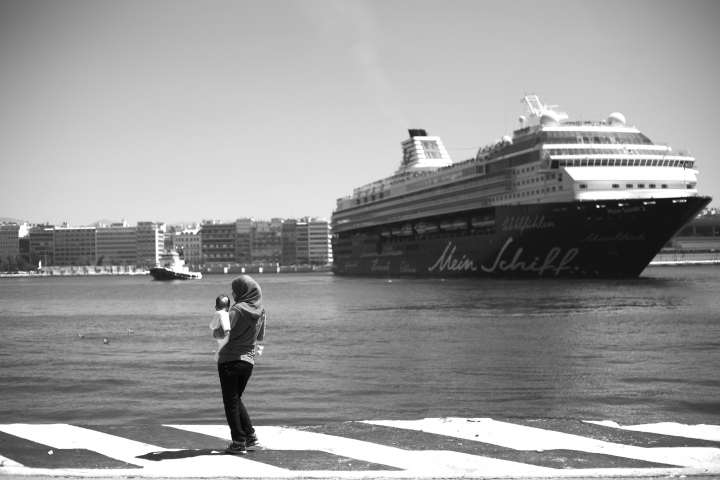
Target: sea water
[{"x": 337, "y": 349}]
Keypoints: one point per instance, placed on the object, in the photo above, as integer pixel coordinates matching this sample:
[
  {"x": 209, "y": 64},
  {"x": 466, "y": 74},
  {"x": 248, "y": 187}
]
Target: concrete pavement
[{"x": 429, "y": 448}]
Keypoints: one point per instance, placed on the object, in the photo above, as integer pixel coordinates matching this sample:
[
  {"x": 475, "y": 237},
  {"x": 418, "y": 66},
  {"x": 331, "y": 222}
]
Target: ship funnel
[{"x": 417, "y": 132}]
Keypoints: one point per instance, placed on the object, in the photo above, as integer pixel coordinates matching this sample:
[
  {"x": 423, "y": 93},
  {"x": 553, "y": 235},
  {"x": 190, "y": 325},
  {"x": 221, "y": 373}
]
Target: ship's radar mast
[{"x": 539, "y": 113}]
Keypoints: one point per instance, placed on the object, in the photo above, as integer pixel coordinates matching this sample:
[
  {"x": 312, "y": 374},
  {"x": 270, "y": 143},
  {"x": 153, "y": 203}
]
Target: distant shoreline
[{"x": 661, "y": 260}]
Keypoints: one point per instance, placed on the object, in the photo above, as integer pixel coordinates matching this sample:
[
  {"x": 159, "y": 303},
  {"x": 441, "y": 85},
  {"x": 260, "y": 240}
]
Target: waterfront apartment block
[
  {"x": 243, "y": 240},
  {"x": 289, "y": 242},
  {"x": 218, "y": 243},
  {"x": 319, "y": 248},
  {"x": 74, "y": 246},
  {"x": 42, "y": 244},
  {"x": 267, "y": 241},
  {"x": 10, "y": 239},
  {"x": 303, "y": 243},
  {"x": 189, "y": 243},
  {"x": 117, "y": 245},
  {"x": 150, "y": 243}
]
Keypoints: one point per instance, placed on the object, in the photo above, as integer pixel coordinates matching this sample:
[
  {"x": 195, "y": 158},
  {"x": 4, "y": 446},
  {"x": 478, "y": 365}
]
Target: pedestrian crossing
[{"x": 433, "y": 447}]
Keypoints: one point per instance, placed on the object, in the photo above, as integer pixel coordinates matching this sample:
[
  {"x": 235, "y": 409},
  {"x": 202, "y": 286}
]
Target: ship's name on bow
[
  {"x": 626, "y": 210},
  {"x": 620, "y": 237},
  {"x": 447, "y": 262},
  {"x": 551, "y": 262},
  {"x": 526, "y": 223}
]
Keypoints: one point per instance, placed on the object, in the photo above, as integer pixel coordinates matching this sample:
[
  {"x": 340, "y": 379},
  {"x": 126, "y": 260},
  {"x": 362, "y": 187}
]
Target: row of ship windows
[
  {"x": 537, "y": 179},
  {"x": 611, "y": 162},
  {"x": 582, "y": 185},
  {"x": 607, "y": 137},
  {"x": 606, "y": 151},
  {"x": 525, "y": 194},
  {"x": 639, "y": 185}
]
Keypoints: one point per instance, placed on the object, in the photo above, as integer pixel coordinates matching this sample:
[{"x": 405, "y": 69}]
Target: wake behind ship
[{"x": 559, "y": 198}]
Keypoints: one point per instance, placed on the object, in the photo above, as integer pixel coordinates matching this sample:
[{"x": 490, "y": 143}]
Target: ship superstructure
[
  {"x": 172, "y": 267},
  {"x": 536, "y": 181}
]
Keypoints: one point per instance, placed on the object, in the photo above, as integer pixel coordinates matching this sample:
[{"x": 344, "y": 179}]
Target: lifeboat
[
  {"x": 422, "y": 228},
  {"x": 403, "y": 231},
  {"x": 460, "y": 223},
  {"x": 481, "y": 222},
  {"x": 447, "y": 225}
]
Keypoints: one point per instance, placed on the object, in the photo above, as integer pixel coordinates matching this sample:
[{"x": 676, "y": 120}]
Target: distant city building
[
  {"x": 117, "y": 244},
  {"x": 319, "y": 248},
  {"x": 74, "y": 246},
  {"x": 25, "y": 248},
  {"x": 10, "y": 234},
  {"x": 267, "y": 241},
  {"x": 189, "y": 242},
  {"x": 289, "y": 242},
  {"x": 218, "y": 243},
  {"x": 150, "y": 243},
  {"x": 303, "y": 243},
  {"x": 244, "y": 240},
  {"x": 42, "y": 244}
]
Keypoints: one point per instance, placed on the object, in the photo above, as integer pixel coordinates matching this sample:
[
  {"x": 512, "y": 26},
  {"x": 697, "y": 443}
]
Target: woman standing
[{"x": 237, "y": 357}]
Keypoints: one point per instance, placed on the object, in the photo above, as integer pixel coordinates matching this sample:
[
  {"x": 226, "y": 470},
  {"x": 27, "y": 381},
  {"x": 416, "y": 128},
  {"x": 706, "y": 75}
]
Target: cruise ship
[{"x": 558, "y": 198}]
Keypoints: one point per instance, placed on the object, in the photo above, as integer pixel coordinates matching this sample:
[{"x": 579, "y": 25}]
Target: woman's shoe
[
  {"x": 251, "y": 441},
  {"x": 236, "y": 448}
]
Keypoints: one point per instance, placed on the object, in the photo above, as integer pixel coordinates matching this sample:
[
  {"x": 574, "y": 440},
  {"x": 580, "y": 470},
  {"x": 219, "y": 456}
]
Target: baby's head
[{"x": 222, "y": 302}]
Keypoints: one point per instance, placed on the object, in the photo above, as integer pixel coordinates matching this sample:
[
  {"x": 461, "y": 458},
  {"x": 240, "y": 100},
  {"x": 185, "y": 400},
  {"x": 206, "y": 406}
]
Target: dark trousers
[{"x": 234, "y": 377}]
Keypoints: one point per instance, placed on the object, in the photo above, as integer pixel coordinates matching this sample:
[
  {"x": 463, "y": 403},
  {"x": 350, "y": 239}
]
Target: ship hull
[
  {"x": 162, "y": 273},
  {"x": 598, "y": 239}
]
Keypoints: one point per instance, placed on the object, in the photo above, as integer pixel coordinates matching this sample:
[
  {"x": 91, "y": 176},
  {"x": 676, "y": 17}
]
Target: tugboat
[{"x": 170, "y": 267}]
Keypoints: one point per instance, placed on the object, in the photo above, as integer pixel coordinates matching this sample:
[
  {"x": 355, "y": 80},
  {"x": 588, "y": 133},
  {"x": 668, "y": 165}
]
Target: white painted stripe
[
  {"x": 6, "y": 462},
  {"x": 701, "y": 432},
  {"x": 69, "y": 437},
  {"x": 520, "y": 437},
  {"x": 413, "y": 464}
]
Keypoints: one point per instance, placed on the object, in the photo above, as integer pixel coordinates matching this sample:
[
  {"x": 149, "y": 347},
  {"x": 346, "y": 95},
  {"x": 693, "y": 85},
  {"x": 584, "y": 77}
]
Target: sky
[{"x": 177, "y": 111}]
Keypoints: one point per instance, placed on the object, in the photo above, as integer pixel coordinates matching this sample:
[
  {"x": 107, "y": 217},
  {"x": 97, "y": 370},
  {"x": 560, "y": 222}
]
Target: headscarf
[{"x": 248, "y": 297}]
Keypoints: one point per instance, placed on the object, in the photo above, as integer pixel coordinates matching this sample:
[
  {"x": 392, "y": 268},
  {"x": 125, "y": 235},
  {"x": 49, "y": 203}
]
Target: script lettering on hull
[
  {"x": 406, "y": 268},
  {"x": 620, "y": 237},
  {"x": 548, "y": 264},
  {"x": 525, "y": 223},
  {"x": 388, "y": 251},
  {"x": 376, "y": 267},
  {"x": 447, "y": 262}
]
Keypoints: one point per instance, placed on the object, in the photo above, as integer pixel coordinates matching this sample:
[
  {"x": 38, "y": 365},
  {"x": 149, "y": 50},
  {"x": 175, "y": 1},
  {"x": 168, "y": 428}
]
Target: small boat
[{"x": 171, "y": 267}]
